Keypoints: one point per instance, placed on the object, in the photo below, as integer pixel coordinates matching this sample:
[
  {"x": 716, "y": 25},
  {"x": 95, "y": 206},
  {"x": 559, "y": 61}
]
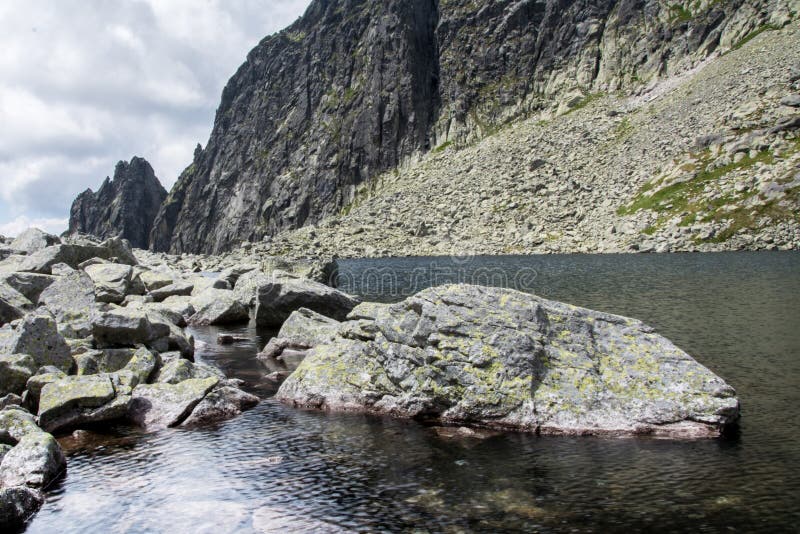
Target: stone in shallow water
[
  {"x": 35, "y": 461},
  {"x": 164, "y": 405},
  {"x": 494, "y": 357},
  {"x": 17, "y": 505}
]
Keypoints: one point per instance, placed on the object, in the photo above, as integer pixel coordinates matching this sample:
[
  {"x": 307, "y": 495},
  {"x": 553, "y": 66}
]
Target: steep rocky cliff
[
  {"x": 124, "y": 206},
  {"x": 355, "y": 88}
]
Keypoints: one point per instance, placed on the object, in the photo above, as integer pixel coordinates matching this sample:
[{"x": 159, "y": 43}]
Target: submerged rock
[
  {"x": 222, "y": 403},
  {"x": 493, "y": 357}
]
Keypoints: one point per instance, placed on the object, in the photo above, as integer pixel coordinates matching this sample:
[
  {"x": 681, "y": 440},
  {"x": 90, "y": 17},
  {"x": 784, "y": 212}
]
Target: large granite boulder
[
  {"x": 30, "y": 285},
  {"x": 179, "y": 370},
  {"x": 13, "y": 304},
  {"x": 164, "y": 405},
  {"x": 76, "y": 400},
  {"x": 494, "y": 357},
  {"x": 32, "y": 240},
  {"x": 125, "y": 327},
  {"x": 75, "y": 253},
  {"x": 217, "y": 306},
  {"x": 112, "y": 281},
  {"x": 71, "y": 300},
  {"x": 223, "y": 402},
  {"x": 282, "y": 294},
  {"x": 154, "y": 280},
  {"x": 15, "y": 370},
  {"x": 17, "y": 505},
  {"x": 37, "y": 335},
  {"x": 35, "y": 461},
  {"x": 303, "y": 330}
]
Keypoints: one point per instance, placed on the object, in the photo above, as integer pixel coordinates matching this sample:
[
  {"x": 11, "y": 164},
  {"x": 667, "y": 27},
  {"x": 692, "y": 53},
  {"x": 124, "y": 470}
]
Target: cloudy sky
[{"x": 86, "y": 83}]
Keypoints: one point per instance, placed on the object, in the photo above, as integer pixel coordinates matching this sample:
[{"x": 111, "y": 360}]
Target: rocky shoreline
[{"x": 93, "y": 332}]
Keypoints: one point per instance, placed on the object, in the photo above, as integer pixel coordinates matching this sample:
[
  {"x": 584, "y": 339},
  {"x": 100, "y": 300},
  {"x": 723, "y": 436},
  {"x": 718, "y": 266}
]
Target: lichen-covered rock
[
  {"x": 495, "y": 357},
  {"x": 302, "y": 331},
  {"x": 217, "y": 306},
  {"x": 30, "y": 285},
  {"x": 35, "y": 461},
  {"x": 283, "y": 294},
  {"x": 17, "y": 505},
  {"x": 125, "y": 327},
  {"x": 112, "y": 281},
  {"x": 71, "y": 300},
  {"x": 162, "y": 405},
  {"x": 179, "y": 370},
  {"x": 75, "y": 253},
  {"x": 32, "y": 240},
  {"x": 13, "y": 304},
  {"x": 76, "y": 399},
  {"x": 15, "y": 370},
  {"x": 221, "y": 403},
  {"x": 37, "y": 335}
]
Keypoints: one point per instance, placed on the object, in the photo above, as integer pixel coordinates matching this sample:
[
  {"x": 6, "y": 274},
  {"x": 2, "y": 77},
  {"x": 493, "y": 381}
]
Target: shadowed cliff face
[
  {"x": 355, "y": 88},
  {"x": 124, "y": 206}
]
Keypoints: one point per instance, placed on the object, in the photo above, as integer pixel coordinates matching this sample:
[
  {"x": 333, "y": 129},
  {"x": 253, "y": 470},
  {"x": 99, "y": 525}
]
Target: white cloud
[
  {"x": 85, "y": 83},
  {"x": 21, "y": 223}
]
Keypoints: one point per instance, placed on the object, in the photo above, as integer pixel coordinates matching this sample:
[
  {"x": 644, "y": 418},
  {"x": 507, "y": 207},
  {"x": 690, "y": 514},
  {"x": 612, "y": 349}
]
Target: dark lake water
[{"x": 276, "y": 469}]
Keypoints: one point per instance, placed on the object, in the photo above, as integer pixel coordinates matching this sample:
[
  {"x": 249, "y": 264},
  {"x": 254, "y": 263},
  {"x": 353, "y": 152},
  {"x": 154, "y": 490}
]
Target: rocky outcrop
[
  {"x": 356, "y": 88},
  {"x": 493, "y": 357},
  {"x": 124, "y": 206}
]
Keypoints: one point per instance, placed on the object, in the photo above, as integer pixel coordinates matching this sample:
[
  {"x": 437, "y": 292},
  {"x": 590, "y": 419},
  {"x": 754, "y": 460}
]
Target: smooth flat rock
[
  {"x": 472, "y": 355},
  {"x": 77, "y": 400},
  {"x": 127, "y": 327},
  {"x": 176, "y": 289},
  {"x": 112, "y": 281}
]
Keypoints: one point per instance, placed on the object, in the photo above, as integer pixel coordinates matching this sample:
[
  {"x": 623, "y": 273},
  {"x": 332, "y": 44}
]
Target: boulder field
[{"x": 91, "y": 332}]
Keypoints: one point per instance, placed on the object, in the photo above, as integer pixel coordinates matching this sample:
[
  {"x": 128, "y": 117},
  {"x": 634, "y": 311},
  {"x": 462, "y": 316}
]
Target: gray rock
[
  {"x": 177, "y": 289},
  {"x": 278, "y": 298},
  {"x": 10, "y": 400},
  {"x": 15, "y": 370},
  {"x": 71, "y": 300},
  {"x": 154, "y": 280},
  {"x": 222, "y": 403},
  {"x": 17, "y": 505},
  {"x": 125, "y": 327},
  {"x": 35, "y": 461},
  {"x": 204, "y": 283},
  {"x": 181, "y": 305},
  {"x": 73, "y": 254},
  {"x": 792, "y": 100},
  {"x": 176, "y": 371},
  {"x": 124, "y": 206},
  {"x": 13, "y": 304},
  {"x": 32, "y": 240},
  {"x": 37, "y": 336},
  {"x": 76, "y": 400},
  {"x": 112, "y": 281},
  {"x": 494, "y": 357},
  {"x": 217, "y": 306},
  {"x": 30, "y": 285},
  {"x": 162, "y": 405},
  {"x": 38, "y": 381},
  {"x": 303, "y": 330}
]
